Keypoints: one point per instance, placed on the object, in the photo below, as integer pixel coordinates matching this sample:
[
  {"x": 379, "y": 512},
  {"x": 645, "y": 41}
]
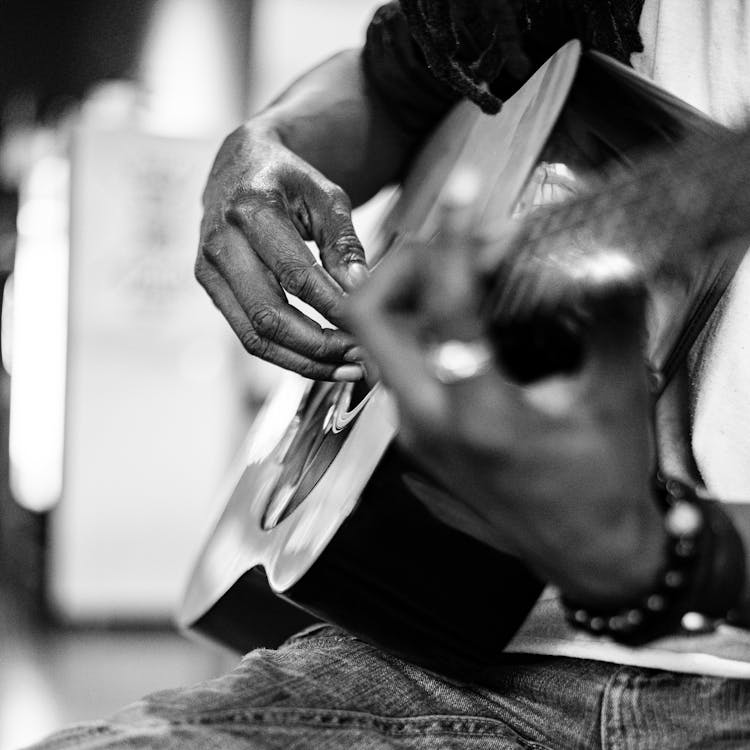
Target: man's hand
[
  {"x": 558, "y": 470},
  {"x": 261, "y": 204}
]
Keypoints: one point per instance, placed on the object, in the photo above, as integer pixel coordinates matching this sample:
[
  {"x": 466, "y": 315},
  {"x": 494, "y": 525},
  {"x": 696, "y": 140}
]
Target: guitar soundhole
[{"x": 313, "y": 448}]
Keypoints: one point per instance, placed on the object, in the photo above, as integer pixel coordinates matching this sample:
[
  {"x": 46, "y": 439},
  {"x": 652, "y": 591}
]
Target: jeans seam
[
  {"x": 437, "y": 724},
  {"x": 321, "y": 639},
  {"x": 531, "y": 745},
  {"x": 67, "y": 737},
  {"x": 611, "y": 723},
  {"x": 319, "y": 631}
]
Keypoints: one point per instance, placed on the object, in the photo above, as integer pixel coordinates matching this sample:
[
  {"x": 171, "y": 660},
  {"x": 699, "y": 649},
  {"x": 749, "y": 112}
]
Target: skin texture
[{"x": 267, "y": 195}]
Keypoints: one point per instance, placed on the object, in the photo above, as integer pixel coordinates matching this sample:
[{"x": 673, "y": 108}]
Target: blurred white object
[
  {"x": 154, "y": 405},
  {"x": 155, "y": 402},
  {"x": 37, "y": 326},
  {"x": 194, "y": 66},
  {"x": 290, "y": 36}
]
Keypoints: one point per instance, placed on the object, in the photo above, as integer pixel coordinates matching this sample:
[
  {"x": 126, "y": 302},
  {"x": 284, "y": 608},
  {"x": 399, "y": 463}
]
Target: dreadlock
[
  {"x": 434, "y": 29},
  {"x": 614, "y": 26},
  {"x": 608, "y": 25}
]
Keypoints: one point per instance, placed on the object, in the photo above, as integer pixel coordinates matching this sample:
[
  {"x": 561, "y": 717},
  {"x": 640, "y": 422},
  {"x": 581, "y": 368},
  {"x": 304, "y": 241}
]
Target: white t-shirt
[{"x": 700, "y": 51}]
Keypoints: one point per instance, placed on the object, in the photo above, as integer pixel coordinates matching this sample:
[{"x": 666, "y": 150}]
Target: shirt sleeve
[
  {"x": 489, "y": 41},
  {"x": 504, "y": 41},
  {"x": 396, "y": 69}
]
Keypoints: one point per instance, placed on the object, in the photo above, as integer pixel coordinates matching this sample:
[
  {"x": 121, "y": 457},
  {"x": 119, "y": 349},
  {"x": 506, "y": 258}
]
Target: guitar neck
[
  {"x": 672, "y": 205},
  {"x": 679, "y": 219}
]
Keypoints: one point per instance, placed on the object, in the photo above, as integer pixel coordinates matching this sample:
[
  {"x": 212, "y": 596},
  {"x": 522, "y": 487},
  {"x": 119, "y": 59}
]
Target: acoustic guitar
[{"x": 321, "y": 519}]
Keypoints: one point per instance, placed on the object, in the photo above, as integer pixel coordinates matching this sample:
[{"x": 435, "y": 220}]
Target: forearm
[{"x": 333, "y": 119}]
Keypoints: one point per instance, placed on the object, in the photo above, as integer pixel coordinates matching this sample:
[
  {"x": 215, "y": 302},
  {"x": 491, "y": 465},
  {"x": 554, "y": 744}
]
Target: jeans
[{"x": 326, "y": 689}]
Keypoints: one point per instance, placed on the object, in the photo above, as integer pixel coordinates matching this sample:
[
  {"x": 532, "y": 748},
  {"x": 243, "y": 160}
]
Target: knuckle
[
  {"x": 250, "y": 340},
  {"x": 208, "y": 250},
  {"x": 260, "y": 195},
  {"x": 253, "y": 203},
  {"x": 268, "y": 196},
  {"x": 225, "y": 166},
  {"x": 348, "y": 248},
  {"x": 253, "y": 343},
  {"x": 211, "y": 227},
  {"x": 338, "y": 197},
  {"x": 327, "y": 344},
  {"x": 296, "y": 279},
  {"x": 212, "y": 237},
  {"x": 266, "y": 322},
  {"x": 200, "y": 271}
]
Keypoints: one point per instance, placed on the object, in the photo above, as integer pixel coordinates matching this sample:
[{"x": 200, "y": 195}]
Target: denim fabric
[{"x": 326, "y": 689}]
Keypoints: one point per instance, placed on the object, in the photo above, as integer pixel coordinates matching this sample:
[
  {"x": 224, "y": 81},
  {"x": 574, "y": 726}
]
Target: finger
[
  {"x": 450, "y": 292},
  {"x": 266, "y": 223},
  {"x": 341, "y": 252},
  {"x": 272, "y": 329},
  {"x": 267, "y": 349},
  {"x": 375, "y": 313}
]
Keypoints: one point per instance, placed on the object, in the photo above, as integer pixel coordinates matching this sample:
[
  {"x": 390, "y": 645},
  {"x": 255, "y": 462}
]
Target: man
[{"x": 580, "y": 472}]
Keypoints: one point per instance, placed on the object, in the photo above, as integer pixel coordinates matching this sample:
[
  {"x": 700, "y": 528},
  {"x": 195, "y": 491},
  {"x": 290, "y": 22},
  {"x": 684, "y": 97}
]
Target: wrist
[
  {"x": 263, "y": 127},
  {"x": 621, "y": 564},
  {"x": 333, "y": 119},
  {"x": 704, "y": 573},
  {"x": 617, "y": 562}
]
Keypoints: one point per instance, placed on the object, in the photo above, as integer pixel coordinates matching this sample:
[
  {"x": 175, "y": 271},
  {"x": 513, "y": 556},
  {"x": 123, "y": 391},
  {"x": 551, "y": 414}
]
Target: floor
[{"x": 52, "y": 677}]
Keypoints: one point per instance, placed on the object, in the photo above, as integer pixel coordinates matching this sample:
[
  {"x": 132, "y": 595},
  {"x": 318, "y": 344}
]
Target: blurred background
[{"x": 123, "y": 395}]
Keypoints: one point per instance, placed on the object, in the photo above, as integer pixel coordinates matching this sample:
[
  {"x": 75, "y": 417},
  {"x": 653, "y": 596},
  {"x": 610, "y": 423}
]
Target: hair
[{"x": 610, "y": 26}]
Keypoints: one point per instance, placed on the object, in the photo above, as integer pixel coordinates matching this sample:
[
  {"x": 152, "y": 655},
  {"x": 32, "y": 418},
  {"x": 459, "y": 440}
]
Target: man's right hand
[{"x": 261, "y": 203}]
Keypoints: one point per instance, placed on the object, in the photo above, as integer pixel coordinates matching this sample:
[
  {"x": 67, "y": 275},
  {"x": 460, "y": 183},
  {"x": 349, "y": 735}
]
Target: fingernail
[
  {"x": 357, "y": 274},
  {"x": 371, "y": 373},
  {"x": 348, "y": 372},
  {"x": 355, "y": 354}
]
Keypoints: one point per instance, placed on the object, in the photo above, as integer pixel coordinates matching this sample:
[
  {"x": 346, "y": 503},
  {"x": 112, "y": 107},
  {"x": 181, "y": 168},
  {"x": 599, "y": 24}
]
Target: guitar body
[
  {"x": 359, "y": 550},
  {"x": 323, "y": 520}
]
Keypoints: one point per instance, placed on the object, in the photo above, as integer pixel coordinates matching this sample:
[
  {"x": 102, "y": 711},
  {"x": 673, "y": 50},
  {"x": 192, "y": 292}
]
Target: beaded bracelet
[{"x": 701, "y": 582}]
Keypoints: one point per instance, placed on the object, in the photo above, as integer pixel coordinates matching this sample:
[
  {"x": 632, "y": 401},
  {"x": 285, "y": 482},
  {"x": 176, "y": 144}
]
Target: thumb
[
  {"x": 449, "y": 293},
  {"x": 330, "y": 217}
]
